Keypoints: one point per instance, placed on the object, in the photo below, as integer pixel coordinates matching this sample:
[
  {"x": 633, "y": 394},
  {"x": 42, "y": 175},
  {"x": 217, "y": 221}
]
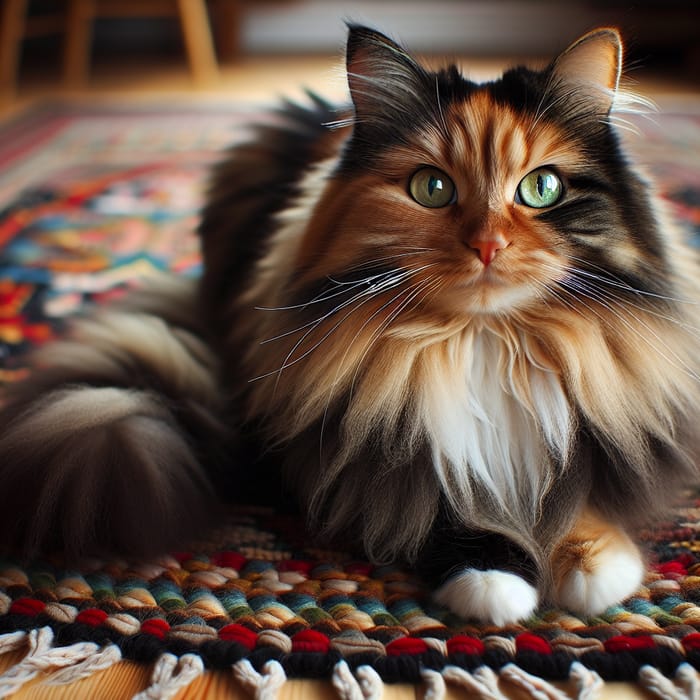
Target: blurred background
[{"x": 254, "y": 47}]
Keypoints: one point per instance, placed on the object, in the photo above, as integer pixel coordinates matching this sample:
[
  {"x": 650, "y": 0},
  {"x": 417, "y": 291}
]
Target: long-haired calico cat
[{"x": 449, "y": 316}]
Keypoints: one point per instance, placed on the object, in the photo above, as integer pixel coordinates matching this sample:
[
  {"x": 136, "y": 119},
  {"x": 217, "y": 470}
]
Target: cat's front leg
[
  {"x": 481, "y": 576},
  {"x": 595, "y": 566}
]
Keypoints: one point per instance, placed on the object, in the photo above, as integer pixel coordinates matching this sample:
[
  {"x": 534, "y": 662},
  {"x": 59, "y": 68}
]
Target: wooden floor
[{"x": 256, "y": 79}]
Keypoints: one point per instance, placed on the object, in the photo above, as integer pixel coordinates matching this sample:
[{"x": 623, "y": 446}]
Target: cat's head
[{"x": 485, "y": 198}]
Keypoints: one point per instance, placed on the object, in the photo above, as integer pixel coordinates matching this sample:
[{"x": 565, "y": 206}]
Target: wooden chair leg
[
  {"x": 76, "y": 59},
  {"x": 227, "y": 18},
  {"x": 11, "y": 34},
  {"x": 197, "y": 34}
]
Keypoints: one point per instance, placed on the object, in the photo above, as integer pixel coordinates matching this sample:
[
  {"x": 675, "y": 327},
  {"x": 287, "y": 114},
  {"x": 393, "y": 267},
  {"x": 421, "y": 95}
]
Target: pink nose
[{"x": 488, "y": 247}]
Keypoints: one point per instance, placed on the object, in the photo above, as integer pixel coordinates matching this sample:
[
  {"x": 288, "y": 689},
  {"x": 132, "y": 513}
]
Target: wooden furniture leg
[
  {"x": 11, "y": 34},
  {"x": 76, "y": 59},
  {"x": 197, "y": 35},
  {"x": 227, "y": 17}
]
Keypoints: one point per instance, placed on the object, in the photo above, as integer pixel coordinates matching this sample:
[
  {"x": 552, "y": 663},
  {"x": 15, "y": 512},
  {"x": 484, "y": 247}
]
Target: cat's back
[{"x": 254, "y": 181}]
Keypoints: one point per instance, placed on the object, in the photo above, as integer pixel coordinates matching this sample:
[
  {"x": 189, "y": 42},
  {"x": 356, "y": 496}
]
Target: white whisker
[
  {"x": 362, "y": 266},
  {"x": 615, "y": 281},
  {"x": 362, "y": 297},
  {"x": 325, "y": 296},
  {"x": 414, "y": 291},
  {"x": 367, "y": 289}
]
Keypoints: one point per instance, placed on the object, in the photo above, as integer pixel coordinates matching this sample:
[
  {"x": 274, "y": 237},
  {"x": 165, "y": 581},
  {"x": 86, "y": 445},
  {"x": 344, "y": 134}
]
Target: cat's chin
[{"x": 491, "y": 297}]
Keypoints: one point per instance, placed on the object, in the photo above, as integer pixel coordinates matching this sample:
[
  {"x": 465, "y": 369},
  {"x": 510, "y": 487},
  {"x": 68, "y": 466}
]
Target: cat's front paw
[
  {"x": 493, "y": 596},
  {"x": 592, "y": 574}
]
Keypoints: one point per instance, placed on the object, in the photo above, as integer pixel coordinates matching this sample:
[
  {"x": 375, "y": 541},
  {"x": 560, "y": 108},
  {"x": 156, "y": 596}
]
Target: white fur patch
[
  {"x": 484, "y": 427},
  {"x": 615, "y": 574},
  {"x": 499, "y": 597}
]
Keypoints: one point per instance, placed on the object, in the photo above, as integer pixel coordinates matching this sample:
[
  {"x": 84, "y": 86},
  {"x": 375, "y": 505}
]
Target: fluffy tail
[{"x": 102, "y": 447}]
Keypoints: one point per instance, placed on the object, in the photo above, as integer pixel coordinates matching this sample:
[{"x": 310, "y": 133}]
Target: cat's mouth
[
  {"x": 489, "y": 277},
  {"x": 491, "y": 290}
]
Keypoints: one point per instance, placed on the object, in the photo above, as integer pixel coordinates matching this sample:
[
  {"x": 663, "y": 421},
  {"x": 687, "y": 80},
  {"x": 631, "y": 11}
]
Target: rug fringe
[
  {"x": 686, "y": 687},
  {"x": 538, "y": 688},
  {"x": 12, "y": 641},
  {"x": 365, "y": 684},
  {"x": 68, "y": 664},
  {"x": 170, "y": 675},
  {"x": 689, "y": 679},
  {"x": 262, "y": 686},
  {"x": 42, "y": 657},
  {"x": 435, "y": 688},
  {"x": 99, "y": 661},
  {"x": 588, "y": 683},
  {"x": 345, "y": 684},
  {"x": 370, "y": 682},
  {"x": 482, "y": 683}
]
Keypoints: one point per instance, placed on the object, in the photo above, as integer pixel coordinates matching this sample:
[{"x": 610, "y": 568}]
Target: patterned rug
[{"x": 92, "y": 198}]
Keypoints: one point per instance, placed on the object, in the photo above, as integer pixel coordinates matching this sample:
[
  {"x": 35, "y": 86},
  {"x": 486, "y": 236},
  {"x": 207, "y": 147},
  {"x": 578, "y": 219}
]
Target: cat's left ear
[
  {"x": 384, "y": 80},
  {"x": 593, "y": 64}
]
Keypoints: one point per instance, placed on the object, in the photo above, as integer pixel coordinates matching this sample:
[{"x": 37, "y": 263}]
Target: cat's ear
[
  {"x": 383, "y": 79},
  {"x": 592, "y": 64}
]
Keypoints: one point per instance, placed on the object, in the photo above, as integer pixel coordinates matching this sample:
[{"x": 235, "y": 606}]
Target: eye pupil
[{"x": 540, "y": 185}]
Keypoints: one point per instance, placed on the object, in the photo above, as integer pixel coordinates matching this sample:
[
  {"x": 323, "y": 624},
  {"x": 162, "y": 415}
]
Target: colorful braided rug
[{"x": 92, "y": 198}]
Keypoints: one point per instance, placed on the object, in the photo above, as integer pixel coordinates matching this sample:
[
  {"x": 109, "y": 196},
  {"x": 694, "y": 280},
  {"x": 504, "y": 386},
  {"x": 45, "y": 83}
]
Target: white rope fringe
[
  {"x": 345, "y": 684},
  {"x": 588, "y": 683},
  {"x": 371, "y": 682},
  {"x": 689, "y": 680},
  {"x": 538, "y": 688},
  {"x": 43, "y": 657},
  {"x": 365, "y": 684},
  {"x": 263, "y": 686},
  {"x": 12, "y": 641},
  {"x": 13, "y": 679},
  {"x": 435, "y": 688},
  {"x": 655, "y": 682},
  {"x": 170, "y": 675},
  {"x": 99, "y": 661},
  {"x": 482, "y": 684}
]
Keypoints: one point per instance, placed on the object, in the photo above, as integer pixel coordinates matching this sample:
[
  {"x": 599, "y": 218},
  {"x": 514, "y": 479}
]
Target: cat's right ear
[
  {"x": 385, "y": 82},
  {"x": 593, "y": 64}
]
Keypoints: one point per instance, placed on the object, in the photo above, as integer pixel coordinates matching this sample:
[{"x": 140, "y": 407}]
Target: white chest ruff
[{"x": 494, "y": 418}]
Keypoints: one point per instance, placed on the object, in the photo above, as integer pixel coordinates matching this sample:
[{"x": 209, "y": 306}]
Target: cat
[{"x": 450, "y": 319}]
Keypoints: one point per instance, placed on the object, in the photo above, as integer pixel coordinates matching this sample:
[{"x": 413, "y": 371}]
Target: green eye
[
  {"x": 430, "y": 187},
  {"x": 540, "y": 189}
]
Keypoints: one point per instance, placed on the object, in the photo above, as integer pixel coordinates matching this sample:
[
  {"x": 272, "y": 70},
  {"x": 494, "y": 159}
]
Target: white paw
[
  {"x": 607, "y": 578},
  {"x": 488, "y": 596}
]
